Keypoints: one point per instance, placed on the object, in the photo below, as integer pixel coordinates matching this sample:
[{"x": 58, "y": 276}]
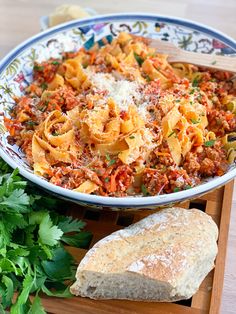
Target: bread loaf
[{"x": 163, "y": 257}]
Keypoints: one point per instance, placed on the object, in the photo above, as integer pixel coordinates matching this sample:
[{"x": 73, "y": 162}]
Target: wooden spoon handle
[{"x": 224, "y": 63}]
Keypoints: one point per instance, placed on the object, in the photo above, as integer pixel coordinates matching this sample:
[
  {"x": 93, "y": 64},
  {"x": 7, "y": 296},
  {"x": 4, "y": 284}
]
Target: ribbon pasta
[
  {"x": 53, "y": 142},
  {"x": 75, "y": 75},
  {"x": 108, "y": 133},
  {"x": 119, "y": 120},
  {"x": 184, "y": 127}
]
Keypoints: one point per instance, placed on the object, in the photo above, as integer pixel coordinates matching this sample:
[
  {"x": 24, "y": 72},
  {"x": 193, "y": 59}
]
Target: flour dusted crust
[{"x": 163, "y": 257}]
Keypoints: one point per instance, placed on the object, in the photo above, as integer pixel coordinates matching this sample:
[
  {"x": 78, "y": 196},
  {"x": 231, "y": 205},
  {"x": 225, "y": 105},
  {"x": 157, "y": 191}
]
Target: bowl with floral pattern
[{"x": 16, "y": 74}]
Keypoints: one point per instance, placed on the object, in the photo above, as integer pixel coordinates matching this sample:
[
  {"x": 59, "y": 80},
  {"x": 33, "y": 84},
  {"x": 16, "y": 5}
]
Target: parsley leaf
[
  {"x": 139, "y": 59},
  {"x": 111, "y": 162},
  {"x": 194, "y": 121},
  {"x": 187, "y": 187},
  {"x": 8, "y": 295},
  {"x": 18, "y": 306},
  {"x": 209, "y": 143},
  {"x": 176, "y": 190},
  {"x": 32, "y": 256},
  {"x": 4, "y": 167},
  {"x": 172, "y": 133},
  {"x": 31, "y": 123},
  {"x": 59, "y": 267},
  {"x": 65, "y": 293},
  {"x": 44, "y": 86},
  {"x": 38, "y": 68},
  {"x": 196, "y": 81},
  {"x": 81, "y": 239},
  {"x": 108, "y": 157},
  {"x": 49, "y": 234},
  {"x": 144, "y": 190},
  {"x": 37, "y": 306},
  {"x": 69, "y": 224},
  {"x": 17, "y": 201}
]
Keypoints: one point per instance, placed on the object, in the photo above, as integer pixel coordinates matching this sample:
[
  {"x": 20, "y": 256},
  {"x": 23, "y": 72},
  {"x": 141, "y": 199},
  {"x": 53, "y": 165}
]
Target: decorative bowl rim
[{"x": 129, "y": 201}]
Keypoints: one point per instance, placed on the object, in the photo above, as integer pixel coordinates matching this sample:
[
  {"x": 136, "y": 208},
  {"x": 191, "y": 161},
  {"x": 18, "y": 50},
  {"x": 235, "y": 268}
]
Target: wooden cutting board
[{"x": 101, "y": 223}]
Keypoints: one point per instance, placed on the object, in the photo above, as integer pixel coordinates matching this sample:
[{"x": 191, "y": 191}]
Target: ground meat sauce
[
  {"x": 209, "y": 161},
  {"x": 151, "y": 174}
]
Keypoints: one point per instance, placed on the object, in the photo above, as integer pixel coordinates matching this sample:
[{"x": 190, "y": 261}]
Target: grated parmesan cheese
[{"x": 123, "y": 92}]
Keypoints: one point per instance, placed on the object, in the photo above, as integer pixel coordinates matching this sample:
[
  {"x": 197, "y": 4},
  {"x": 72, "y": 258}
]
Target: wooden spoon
[{"x": 176, "y": 54}]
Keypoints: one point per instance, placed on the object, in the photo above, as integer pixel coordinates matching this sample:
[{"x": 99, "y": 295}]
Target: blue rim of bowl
[{"x": 137, "y": 201}]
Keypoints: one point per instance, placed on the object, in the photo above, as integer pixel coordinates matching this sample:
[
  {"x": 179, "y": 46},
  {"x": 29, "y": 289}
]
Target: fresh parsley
[
  {"x": 196, "y": 81},
  {"x": 194, "y": 121},
  {"x": 55, "y": 62},
  {"x": 32, "y": 234},
  {"x": 209, "y": 143},
  {"x": 172, "y": 133},
  {"x": 44, "y": 86},
  {"x": 108, "y": 157},
  {"x": 111, "y": 161},
  {"x": 38, "y": 68},
  {"x": 176, "y": 190},
  {"x": 144, "y": 190},
  {"x": 31, "y": 123},
  {"x": 139, "y": 59},
  {"x": 187, "y": 187}
]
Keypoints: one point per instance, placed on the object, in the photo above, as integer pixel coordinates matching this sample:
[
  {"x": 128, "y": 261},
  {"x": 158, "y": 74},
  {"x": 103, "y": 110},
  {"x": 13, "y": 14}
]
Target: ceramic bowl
[{"x": 16, "y": 73}]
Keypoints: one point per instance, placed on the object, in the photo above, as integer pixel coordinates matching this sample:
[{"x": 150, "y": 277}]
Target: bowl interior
[{"x": 16, "y": 74}]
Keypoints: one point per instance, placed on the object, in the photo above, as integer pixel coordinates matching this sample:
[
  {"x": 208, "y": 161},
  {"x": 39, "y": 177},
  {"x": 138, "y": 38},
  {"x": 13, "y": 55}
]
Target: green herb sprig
[
  {"x": 139, "y": 59},
  {"x": 210, "y": 143},
  {"x": 32, "y": 237},
  {"x": 110, "y": 161}
]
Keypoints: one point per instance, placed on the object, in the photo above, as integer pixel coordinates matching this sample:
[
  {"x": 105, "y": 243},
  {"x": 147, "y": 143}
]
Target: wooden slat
[
  {"x": 216, "y": 195},
  {"x": 201, "y": 300},
  {"x": 78, "y": 254},
  {"x": 86, "y": 306},
  {"x": 213, "y": 208},
  {"x": 206, "y": 300},
  {"x": 207, "y": 282},
  {"x": 218, "y": 279},
  {"x": 109, "y": 216},
  {"x": 185, "y": 204}
]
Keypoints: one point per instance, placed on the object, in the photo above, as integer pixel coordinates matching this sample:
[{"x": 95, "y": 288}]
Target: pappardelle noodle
[{"x": 119, "y": 120}]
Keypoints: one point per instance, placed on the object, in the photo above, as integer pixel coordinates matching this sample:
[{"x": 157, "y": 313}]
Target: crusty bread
[{"x": 163, "y": 257}]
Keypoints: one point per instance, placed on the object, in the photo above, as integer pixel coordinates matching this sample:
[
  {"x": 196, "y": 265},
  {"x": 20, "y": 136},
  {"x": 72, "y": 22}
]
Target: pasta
[
  {"x": 53, "y": 142},
  {"x": 120, "y": 120}
]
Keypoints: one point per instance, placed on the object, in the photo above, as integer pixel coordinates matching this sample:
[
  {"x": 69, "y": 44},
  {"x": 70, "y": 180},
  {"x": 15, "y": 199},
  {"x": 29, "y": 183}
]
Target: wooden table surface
[{"x": 19, "y": 19}]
